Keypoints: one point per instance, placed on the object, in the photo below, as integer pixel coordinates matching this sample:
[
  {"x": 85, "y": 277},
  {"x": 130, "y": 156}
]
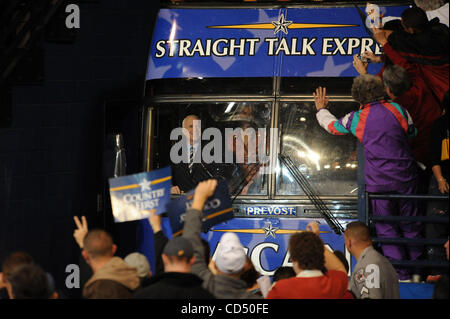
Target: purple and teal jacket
[{"x": 383, "y": 128}]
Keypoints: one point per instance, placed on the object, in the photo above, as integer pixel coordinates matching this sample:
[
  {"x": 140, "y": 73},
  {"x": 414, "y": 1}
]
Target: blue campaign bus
[{"x": 257, "y": 64}]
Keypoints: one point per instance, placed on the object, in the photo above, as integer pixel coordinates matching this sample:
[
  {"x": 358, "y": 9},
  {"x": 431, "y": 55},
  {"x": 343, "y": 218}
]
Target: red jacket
[
  {"x": 428, "y": 51},
  {"x": 332, "y": 285},
  {"x": 420, "y": 102}
]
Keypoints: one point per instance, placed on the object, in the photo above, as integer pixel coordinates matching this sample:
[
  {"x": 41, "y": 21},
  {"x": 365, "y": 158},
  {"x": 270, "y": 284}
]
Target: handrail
[
  {"x": 420, "y": 263},
  {"x": 409, "y": 241},
  {"x": 368, "y": 196},
  {"x": 402, "y": 196},
  {"x": 425, "y": 219}
]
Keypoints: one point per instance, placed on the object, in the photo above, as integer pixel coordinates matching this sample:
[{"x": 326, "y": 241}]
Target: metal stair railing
[{"x": 409, "y": 241}]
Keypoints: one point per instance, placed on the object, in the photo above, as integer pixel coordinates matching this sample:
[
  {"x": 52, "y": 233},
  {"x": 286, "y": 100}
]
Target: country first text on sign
[{"x": 134, "y": 197}]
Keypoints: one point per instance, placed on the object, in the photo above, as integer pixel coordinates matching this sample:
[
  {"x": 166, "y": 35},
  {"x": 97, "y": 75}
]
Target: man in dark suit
[{"x": 186, "y": 175}]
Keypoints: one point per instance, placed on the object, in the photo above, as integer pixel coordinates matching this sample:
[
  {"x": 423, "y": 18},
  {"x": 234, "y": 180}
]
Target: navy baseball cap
[{"x": 179, "y": 246}]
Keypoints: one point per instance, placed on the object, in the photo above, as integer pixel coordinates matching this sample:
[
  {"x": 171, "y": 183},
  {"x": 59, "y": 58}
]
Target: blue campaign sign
[
  {"x": 270, "y": 211},
  {"x": 266, "y": 239},
  {"x": 134, "y": 197},
  {"x": 287, "y": 42},
  {"x": 217, "y": 209}
]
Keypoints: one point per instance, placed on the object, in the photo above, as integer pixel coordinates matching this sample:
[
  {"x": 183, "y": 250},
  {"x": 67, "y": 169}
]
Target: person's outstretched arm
[
  {"x": 328, "y": 121},
  {"x": 380, "y": 36},
  {"x": 193, "y": 225},
  {"x": 78, "y": 234},
  {"x": 159, "y": 241},
  {"x": 331, "y": 261}
]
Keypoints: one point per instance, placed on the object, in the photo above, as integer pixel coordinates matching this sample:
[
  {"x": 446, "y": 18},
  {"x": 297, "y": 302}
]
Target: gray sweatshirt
[
  {"x": 374, "y": 277},
  {"x": 221, "y": 286}
]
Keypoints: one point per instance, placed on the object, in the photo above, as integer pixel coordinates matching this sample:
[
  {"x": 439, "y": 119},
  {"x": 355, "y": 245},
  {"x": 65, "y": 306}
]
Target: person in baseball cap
[
  {"x": 179, "y": 247},
  {"x": 177, "y": 281}
]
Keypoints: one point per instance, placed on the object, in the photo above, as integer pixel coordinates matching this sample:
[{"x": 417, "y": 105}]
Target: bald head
[
  {"x": 358, "y": 232},
  {"x": 189, "y": 119},
  {"x": 98, "y": 243}
]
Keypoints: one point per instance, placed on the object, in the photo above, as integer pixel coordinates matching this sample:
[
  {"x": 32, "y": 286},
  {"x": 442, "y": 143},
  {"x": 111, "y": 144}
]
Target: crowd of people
[
  {"x": 415, "y": 78},
  {"x": 184, "y": 269},
  {"x": 402, "y": 124}
]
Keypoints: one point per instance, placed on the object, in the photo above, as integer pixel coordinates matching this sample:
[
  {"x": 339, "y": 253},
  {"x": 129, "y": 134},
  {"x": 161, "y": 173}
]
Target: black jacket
[
  {"x": 186, "y": 181},
  {"x": 430, "y": 47},
  {"x": 174, "y": 285}
]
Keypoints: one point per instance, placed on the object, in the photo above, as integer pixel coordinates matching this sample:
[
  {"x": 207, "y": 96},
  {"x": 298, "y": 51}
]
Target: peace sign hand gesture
[{"x": 81, "y": 231}]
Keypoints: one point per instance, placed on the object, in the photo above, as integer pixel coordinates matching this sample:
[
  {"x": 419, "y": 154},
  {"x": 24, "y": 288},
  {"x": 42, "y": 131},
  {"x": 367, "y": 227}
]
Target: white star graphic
[
  {"x": 281, "y": 25},
  {"x": 145, "y": 185},
  {"x": 270, "y": 230},
  {"x": 330, "y": 69}
]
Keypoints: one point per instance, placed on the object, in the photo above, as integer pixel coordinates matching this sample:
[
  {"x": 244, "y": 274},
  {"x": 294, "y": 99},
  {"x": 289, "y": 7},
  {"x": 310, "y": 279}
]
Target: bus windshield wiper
[
  {"x": 312, "y": 194},
  {"x": 244, "y": 181}
]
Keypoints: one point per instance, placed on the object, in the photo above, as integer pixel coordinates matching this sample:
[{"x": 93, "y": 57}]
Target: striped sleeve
[
  {"x": 403, "y": 117},
  {"x": 329, "y": 122},
  {"x": 353, "y": 123}
]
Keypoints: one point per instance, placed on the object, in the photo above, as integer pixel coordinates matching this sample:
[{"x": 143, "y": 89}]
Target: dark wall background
[{"x": 51, "y": 155}]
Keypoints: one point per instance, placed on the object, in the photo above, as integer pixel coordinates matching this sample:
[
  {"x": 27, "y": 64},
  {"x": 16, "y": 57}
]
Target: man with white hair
[
  {"x": 140, "y": 262},
  {"x": 187, "y": 174},
  {"x": 230, "y": 255}
]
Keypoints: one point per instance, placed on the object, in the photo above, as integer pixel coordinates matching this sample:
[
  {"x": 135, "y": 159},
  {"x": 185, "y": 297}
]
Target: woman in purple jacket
[{"x": 383, "y": 128}]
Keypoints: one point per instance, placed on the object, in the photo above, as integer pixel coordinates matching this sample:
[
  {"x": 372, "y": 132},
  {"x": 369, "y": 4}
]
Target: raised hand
[
  {"x": 155, "y": 222},
  {"x": 175, "y": 190},
  {"x": 371, "y": 56},
  {"x": 313, "y": 227},
  {"x": 81, "y": 231},
  {"x": 360, "y": 66},
  {"x": 320, "y": 98},
  {"x": 203, "y": 191}
]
